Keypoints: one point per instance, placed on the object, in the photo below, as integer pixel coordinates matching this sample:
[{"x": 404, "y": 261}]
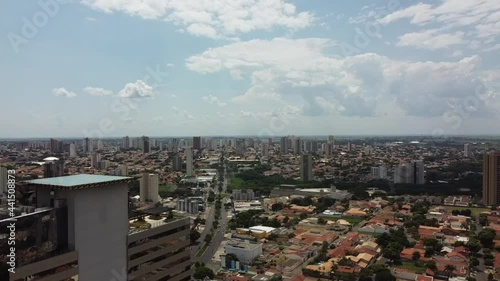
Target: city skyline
[{"x": 297, "y": 68}]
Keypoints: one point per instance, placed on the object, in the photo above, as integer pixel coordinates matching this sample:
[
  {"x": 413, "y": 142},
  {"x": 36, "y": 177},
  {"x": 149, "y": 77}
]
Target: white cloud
[
  {"x": 62, "y": 92},
  {"x": 97, "y": 91},
  {"x": 214, "y": 100},
  {"x": 480, "y": 19},
  {"x": 213, "y": 19},
  {"x": 282, "y": 70},
  {"x": 139, "y": 89},
  {"x": 90, "y": 19},
  {"x": 431, "y": 39}
]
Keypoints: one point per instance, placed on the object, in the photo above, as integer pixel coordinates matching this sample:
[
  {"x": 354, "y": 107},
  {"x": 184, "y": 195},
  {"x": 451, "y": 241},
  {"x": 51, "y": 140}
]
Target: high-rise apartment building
[
  {"x": 81, "y": 230},
  {"x": 177, "y": 163},
  {"x": 197, "y": 143},
  {"x": 467, "y": 150},
  {"x": 149, "y": 184},
  {"x": 491, "y": 178},
  {"x": 126, "y": 142},
  {"x": 72, "y": 150},
  {"x": 240, "y": 147},
  {"x": 264, "y": 148},
  {"x": 175, "y": 145},
  {"x": 4, "y": 176},
  {"x": 284, "y": 145},
  {"x": 55, "y": 146},
  {"x": 53, "y": 167},
  {"x": 331, "y": 139},
  {"x": 297, "y": 146},
  {"x": 379, "y": 172},
  {"x": 410, "y": 173},
  {"x": 306, "y": 168},
  {"x": 189, "y": 162},
  {"x": 145, "y": 144}
]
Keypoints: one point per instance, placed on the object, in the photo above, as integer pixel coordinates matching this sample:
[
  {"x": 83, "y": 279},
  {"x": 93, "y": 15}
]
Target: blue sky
[{"x": 249, "y": 67}]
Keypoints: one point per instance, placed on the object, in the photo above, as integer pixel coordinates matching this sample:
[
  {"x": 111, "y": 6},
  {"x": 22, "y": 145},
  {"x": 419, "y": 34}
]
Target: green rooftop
[{"x": 78, "y": 181}]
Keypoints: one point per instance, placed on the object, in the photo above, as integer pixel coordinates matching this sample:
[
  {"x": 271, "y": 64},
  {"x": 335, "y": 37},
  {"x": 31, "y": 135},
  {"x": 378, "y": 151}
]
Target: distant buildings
[
  {"x": 306, "y": 168},
  {"x": 149, "y": 184},
  {"x": 189, "y": 162},
  {"x": 410, "y": 173},
  {"x": 491, "y": 178}
]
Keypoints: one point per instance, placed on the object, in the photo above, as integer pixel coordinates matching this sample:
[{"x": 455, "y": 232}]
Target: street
[{"x": 218, "y": 233}]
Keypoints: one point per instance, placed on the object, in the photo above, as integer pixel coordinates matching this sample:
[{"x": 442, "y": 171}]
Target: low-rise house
[{"x": 377, "y": 228}]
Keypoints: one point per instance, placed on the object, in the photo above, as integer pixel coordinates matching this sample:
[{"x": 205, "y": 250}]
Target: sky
[{"x": 110, "y": 68}]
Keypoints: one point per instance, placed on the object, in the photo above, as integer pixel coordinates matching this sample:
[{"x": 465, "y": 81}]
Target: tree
[
  {"x": 194, "y": 236},
  {"x": 276, "y": 207},
  {"x": 416, "y": 256},
  {"x": 384, "y": 276},
  {"x": 321, "y": 221},
  {"x": 449, "y": 268},
  {"x": 473, "y": 262},
  {"x": 431, "y": 265},
  {"x": 202, "y": 272}
]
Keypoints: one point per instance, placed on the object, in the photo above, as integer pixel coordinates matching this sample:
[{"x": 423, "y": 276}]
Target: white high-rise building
[
  {"x": 379, "y": 172},
  {"x": 100, "y": 145},
  {"x": 149, "y": 188},
  {"x": 72, "y": 150},
  {"x": 4, "y": 176},
  {"x": 467, "y": 150},
  {"x": 331, "y": 140},
  {"x": 95, "y": 158},
  {"x": 264, "y": 149},
  {"x": 126, "y": 142},
  {"x": 189, "y": 162}
]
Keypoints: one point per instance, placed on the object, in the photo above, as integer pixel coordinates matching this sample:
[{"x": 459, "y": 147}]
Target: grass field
[
  {"x": 475, "y": 211},
  {"x": 236, "y": 183},
  {"x": 352, "y": 220},
  {"x": 411, "y": 266},
  {"x": 165, "y": 188}
]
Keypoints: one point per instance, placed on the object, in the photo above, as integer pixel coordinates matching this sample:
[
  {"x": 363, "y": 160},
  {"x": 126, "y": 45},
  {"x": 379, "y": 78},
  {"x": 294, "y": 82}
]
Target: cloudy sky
[{"x": 249, "y": 67}]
